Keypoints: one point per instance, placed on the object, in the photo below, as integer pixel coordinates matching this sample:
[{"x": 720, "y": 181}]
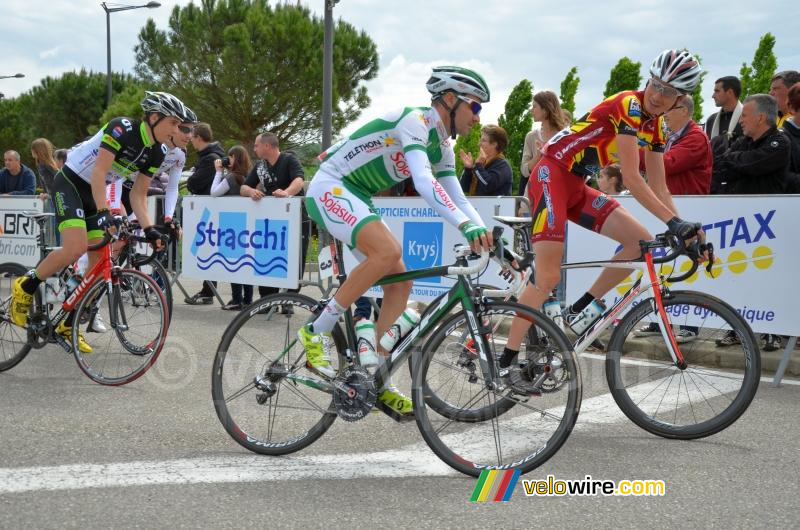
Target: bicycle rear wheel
[
  {"x": 266, "y": 398},
  {"x": 136, "y": 313},
  {"x": 14, "y": 344},
  {"x": 711, "y": 393},
  {"x": 472, "y": 426}
]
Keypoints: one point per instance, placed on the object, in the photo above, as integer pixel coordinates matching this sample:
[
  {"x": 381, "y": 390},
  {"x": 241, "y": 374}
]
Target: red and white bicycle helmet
[{"x": 679, "y": 69}]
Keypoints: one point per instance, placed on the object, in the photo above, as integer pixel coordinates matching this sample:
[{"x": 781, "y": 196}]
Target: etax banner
[
  {"x": 237, "y": 239},
  {"x": 755, "y": 242},
  {"x": 428, "y": 241},
  {"x": 17, "y": 232}
]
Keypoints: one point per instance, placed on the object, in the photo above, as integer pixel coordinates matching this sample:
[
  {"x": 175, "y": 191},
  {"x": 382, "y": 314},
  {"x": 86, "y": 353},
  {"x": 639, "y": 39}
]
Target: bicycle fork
[{"x": 665, "y": 324}]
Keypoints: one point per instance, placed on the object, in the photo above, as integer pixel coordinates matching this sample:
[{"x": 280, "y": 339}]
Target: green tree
[
  {"x": 469, "y": 144},
  {"x": 15, "y": 132},
  {"x": 569, "y": 87},
  {"x": 624, "y": 76},
  {"x": 697, "y": 94},
  {"x": 65, "y": 109},
  {"x": 127, "y": 103},
  {"x": 756, "y": 77},
  {"x": 517, "y": 120},
  {"x": 245, "y": 66}
]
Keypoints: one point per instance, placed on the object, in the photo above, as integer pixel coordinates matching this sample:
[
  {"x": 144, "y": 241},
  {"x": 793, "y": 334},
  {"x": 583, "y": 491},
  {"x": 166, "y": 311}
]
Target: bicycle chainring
[
  {"x": 550, "y": 363},
  {"x": 39, "y": 330},
  {"x": 354, "y": 394}
]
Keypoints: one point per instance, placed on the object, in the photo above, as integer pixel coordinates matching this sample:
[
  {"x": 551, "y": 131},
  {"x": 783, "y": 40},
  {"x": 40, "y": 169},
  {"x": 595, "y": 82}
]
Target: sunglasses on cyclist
[
  {"x": 474, "y": 106},
  {"x": 664, "y": 89},
  {"x": 185, "y": 129}
]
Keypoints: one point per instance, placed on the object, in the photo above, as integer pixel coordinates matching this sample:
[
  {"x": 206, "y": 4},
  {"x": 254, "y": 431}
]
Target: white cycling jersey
[{"x": 173, "y": 165}]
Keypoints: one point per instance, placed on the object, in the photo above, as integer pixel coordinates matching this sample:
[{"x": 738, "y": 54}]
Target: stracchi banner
[
  {"x": 237, "y": 239},
  {"x": 756, "y": 255}
]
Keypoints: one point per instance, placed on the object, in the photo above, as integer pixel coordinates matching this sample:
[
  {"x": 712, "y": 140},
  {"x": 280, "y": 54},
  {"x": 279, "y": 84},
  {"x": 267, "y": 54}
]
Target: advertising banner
[
  {"x": 756, "y": 256},
  {"x": 237, "y": 239},
  {"x": 427, "y": 240},
  {"x": 17, "y": 232}
]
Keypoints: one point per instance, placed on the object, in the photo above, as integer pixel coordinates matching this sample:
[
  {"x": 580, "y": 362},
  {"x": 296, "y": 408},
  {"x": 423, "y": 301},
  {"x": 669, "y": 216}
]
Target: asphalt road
[{"x": 153, "y": 454}]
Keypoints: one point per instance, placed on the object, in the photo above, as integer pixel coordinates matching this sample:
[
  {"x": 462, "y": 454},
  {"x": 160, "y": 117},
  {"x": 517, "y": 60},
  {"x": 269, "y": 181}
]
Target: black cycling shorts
[{"x": 74, "y": 204}]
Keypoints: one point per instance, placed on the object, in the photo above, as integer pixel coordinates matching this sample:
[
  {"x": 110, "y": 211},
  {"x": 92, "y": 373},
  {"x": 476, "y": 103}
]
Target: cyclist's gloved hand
[
  {"x": 475, "y": 234},
  {"x": 152, "y": 234},
  {"x": 172, "y": 227},
  {"x": 108, "y": 221},
  {"x": 683, "y": 229}
]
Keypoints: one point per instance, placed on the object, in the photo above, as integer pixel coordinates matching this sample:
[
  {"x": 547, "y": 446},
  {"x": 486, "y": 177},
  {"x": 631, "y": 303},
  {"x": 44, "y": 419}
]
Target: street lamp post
[
  {"x": 109, "y": 10},
  {"x": 327, "y": 75}
]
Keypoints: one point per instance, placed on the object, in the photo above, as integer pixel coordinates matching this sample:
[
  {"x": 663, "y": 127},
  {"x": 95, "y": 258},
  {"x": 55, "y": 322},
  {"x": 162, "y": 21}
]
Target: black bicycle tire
[
  {"x": 543, "y": 454},
  {"x": 706, "y": 428},
  {"x": 228, "y": 422},
  {"x": 134, "y": 263},
  {"x": 98, "y": 289},
  {"x": 8, "y": 364}
]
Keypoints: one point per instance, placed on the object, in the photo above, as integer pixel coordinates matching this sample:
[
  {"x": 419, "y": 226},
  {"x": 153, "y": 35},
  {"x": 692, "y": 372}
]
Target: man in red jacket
[{"x": 687, "y": 157}]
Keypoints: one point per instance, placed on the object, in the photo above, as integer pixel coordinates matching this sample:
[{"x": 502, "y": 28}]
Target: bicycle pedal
[{"x": 396, "y": 416}]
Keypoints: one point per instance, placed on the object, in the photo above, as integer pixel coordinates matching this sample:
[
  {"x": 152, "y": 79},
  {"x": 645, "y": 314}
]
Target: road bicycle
[
  {"x": 667, "y": 385},
  {"x": 129, "y": 301},
  {"x": 471, "y": 414}
]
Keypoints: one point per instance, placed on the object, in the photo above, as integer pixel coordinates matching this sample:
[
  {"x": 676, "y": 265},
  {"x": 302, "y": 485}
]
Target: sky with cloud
[{"x": 506, "y": 40}]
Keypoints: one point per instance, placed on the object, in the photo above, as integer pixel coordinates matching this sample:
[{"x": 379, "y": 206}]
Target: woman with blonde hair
[
  {"x": 546, "y": 110},
  {"x": 42, "y": 152}
]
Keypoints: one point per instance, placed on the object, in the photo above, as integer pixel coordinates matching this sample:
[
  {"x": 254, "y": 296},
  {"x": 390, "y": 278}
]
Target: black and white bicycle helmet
[
  {"x": 168, "y": 105},
  {"x": 459, "y": 80},
  {"x": 679, "y": 69}
]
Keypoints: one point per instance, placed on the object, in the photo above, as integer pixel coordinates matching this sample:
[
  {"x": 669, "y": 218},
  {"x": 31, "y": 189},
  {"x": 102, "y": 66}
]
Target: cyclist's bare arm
[
  {"x": 628, "y": 152},
  {"x": 657, "y": 178},
  {"x": 102, "y": 166},
  {"x": 139, "y": 200}
]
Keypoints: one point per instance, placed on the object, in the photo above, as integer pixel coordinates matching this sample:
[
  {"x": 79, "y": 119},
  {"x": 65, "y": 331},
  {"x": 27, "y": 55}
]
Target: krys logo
[
  {"x": 235, "y": 243},
  {"x": 422, "y": 246}
]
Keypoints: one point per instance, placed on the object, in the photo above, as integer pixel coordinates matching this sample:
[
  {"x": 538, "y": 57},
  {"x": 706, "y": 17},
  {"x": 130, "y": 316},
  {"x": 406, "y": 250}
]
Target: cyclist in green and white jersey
[{"x": 409, "y": 143}]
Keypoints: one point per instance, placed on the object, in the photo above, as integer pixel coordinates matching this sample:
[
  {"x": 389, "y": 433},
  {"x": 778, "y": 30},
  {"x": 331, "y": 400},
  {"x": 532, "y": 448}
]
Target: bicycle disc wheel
[
  {"x": 264, "y": 394},
  {"x": 544, "y": 388},
  {"x": 14, "y": 344},
  {"x": 714, "y": 389},
  {"x": 136, "y": 315}
]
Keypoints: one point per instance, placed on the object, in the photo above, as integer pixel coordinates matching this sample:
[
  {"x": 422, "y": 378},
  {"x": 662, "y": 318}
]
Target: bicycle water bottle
[
  {"x": 590, "y": 314},
  {"x": 73, "y": 282},
  {"x": 552, "y": 308},
  {"x": 54, "y": 293},
  {"x": 365, "y": 342},
  {"x": 407, "y": 320}
]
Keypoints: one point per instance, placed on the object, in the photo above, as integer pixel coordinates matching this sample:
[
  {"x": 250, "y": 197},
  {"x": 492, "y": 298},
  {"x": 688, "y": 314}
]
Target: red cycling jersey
[{"x": 590, "y": 143}]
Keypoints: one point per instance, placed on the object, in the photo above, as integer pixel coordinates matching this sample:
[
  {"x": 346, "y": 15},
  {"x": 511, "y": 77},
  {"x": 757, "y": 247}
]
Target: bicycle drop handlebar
[{"x": 694, "y": 250}]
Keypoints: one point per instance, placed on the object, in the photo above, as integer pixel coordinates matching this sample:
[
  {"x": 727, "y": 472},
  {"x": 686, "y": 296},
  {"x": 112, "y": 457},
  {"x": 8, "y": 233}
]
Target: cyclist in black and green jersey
[{"x": 123, "y": 148}]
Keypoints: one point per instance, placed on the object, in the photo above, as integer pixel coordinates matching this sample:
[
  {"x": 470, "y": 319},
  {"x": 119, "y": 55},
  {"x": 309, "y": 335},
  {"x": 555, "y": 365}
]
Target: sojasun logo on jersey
[
  {"x": 422, "y": 246},
  {"x": 337, "y": 209},
  {"x": 236, "y": 243}
]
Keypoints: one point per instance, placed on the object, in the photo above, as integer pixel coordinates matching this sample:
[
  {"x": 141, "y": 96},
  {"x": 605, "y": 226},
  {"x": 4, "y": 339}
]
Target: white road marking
[{"x": 416, "y": 460}]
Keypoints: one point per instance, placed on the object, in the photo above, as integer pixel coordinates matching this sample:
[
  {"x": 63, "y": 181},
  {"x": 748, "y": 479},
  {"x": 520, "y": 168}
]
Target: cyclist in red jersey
[{"x": 611, "y": 132}]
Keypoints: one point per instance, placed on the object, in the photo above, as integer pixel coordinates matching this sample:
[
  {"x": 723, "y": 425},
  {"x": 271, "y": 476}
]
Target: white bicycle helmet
[
  {"x": 459, "y": 80},
  {"x": 679, "y": 69},
  {"x": 168, "y": 105}
]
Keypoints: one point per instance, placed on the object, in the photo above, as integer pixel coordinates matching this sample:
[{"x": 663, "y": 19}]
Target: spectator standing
[
  {"x": 490, "y": 174},
  {"x": 547, "y": 111},
  {"x": 756, "y": 163},
  {"x": 61, "y": 157},
  {"x": 200, "y": 184},
  {"x": 792, "y": 129},
  {"x": 16, "y": 178},
  {"x": 726, "y": 96},
  {"x": 228, "y": 180},
  {"x": 42, "y": 152},
  {"x": 779, "y": 89},
  {"x": 276, "y": 174},
  {"x": 687, "y": 155}
]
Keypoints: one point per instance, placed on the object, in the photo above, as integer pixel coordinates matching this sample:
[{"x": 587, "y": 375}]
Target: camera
[{"x": 226, "y": 161}]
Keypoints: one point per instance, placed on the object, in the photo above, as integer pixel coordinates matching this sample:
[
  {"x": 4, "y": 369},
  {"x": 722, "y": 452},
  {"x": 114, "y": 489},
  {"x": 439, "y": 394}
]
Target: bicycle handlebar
[{"x": 678, "y": 247}]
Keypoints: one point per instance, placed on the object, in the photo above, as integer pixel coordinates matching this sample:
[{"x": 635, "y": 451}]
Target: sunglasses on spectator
[
  {"x": 474, "y": 106},
  {"x": 664, "y": 89},
  {"x": 185, "y": 129}
]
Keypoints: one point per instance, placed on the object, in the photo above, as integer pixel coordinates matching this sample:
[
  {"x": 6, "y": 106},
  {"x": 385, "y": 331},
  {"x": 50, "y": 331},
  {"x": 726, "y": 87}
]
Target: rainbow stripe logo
[{"x": 495, "y": 485}]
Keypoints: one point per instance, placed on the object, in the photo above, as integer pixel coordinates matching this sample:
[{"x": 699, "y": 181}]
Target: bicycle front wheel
[
  {"x": 135, "y": 312},
  {"x": 14, "y": 345},
  {"x": 265, "y": 396},
  {"x": 705, "y": 397},
  {"x": 517, "y": 422}
]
